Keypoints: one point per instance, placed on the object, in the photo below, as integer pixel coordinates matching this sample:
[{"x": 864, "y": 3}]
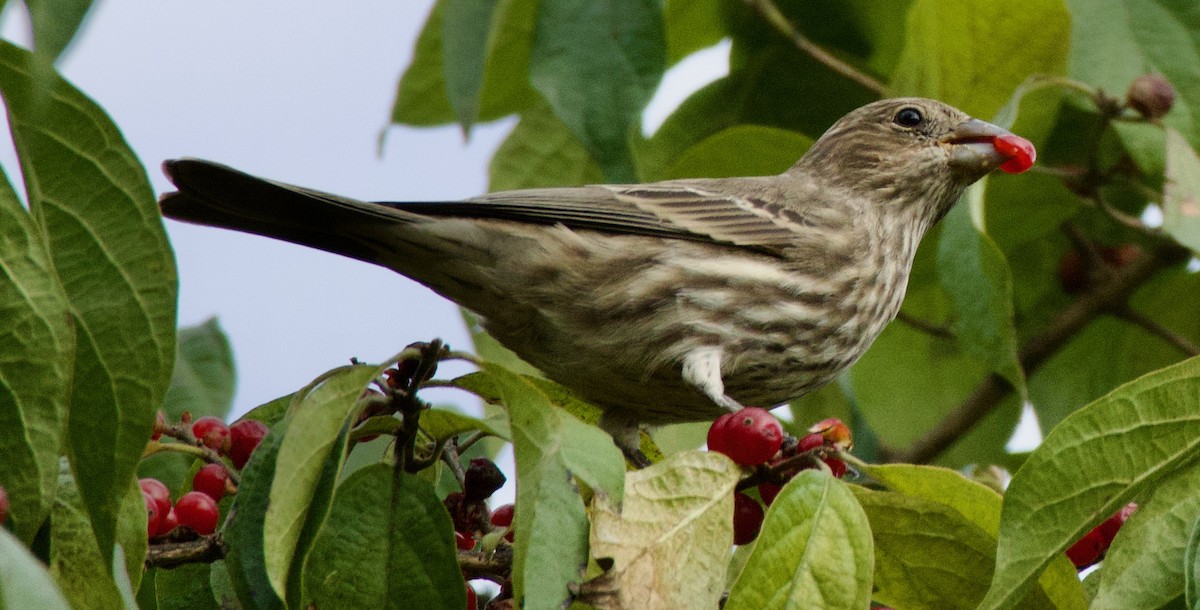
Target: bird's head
[{"x": 911, "y": 151}]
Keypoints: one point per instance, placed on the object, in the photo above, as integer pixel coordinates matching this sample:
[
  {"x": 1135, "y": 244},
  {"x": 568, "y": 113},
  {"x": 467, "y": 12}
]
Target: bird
[{"x": 664, "y": 302}]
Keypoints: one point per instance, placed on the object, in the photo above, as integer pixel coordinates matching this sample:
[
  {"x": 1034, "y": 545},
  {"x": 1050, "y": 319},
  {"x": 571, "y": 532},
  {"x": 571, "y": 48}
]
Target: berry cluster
[
  {"x": 473, "y": 523},
  {"x": 1091, "y": 547},
  {"x": 197, "y": 509},
  {"x": 753, "y": 437}
]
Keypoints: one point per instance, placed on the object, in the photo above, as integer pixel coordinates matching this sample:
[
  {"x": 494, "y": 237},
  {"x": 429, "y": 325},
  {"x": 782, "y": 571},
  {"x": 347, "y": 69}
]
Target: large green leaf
[
  {"x": 300, "y": 491},
  {"x": 597, "y": 64},
  {"x": 1145, "y": 566},
  {"x": 1075, "y": 480},
  {"x": 691, "y": 25},
  {"x": 1161, "y": 37},
  {"x": 388, "y": 543},
  {"x": 486, "y": 46},
  {"x": 185, "y": 588},
  {"x": 669, "y": 540},
  {"x": 540, "y": 151},
  {"x": 76, "y": 563},
  {"x": 1181, "y": 192},
  {"x": 421, "y": 97},
  {"x": 975, "y": 274},
  {"x": 91, "y": 200},
  {"x": 246, "y": 557},
  {"x": 24, "y": 582},
  {"x": 814, "y": 551},
  {"x": 1191, "y": 568},
  {"x": 973, "y": 53},
  {"x": 37, "y": 340},
  {"x": 550, "y": 448}
]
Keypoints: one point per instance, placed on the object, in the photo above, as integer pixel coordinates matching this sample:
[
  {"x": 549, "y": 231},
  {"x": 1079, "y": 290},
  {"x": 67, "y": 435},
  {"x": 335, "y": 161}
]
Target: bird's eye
[{"x": 908, "y": 117}]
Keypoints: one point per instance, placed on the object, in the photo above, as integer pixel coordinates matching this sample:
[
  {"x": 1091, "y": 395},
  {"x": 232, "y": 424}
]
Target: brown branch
[
  {"x": 1127, "y": 313},
  {"x": 771, "y": 13},
  {"x": 988, "y": 394},
  {"x": 495, "y": 566},
  {"x": 205, "y": 549}
]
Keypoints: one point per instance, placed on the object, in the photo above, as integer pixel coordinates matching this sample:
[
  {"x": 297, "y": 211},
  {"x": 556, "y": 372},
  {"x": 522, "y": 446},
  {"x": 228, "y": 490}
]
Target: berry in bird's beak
[
  {"x": 1020, "y": 153},
  {"x": 981, "y": 146}
]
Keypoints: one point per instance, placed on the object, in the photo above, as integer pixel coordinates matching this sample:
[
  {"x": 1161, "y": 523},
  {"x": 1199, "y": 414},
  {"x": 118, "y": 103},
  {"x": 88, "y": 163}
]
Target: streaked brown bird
[{"x": 666, "y": 302}]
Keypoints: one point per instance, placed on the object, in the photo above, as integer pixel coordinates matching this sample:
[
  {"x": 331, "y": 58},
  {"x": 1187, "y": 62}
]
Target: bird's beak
[{"x": 972, "y": 146}]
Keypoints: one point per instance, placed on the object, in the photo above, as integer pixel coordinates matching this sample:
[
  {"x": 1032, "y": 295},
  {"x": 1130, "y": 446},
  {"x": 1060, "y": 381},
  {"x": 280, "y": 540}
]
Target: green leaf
[
  {"x": 980, "y": 505},
  {"x": 55, "y": 23},
  {"x": 131, "y": 538},
  {"x": 550, "y": 448},
  {"x": 814, "y": 550},
  {"x": 421, "y": 98},
  {"x": 246, "y": 558},
  {"x": 316, "y": 423},
  {"x": 975, "y": 274},
  {"x": 692, "y": 25},
  {"x": 388, "y": 543},
  {"x": 185, "y": 588},
  {"x": 222, "y": 587},
  {"x": 597, "y": 64},
  {"x": 540, "y": 151},
  {"x": 1181, "y": 192},
  {"x": 90, "y": 198},
  {"x": 744, "y": 150},
  {"x": 76, "y": 562},
  {"x": 1070, "y": 483},
  {"x": 1191, "y": 567},
  {"x": 973, "y": 53},
  {"x": 38, "y": 341},
  {"x": 486, "y": 346},
  {"x": 1146, "y": 567},
  {"x": 1162, "y": 38},
  {"x": 465, "y": 25},
  {"x": 441, "y": 424},
  {"x": 202, "y": 384},
  {"x": 24, "y": 582},
  {"x": 669, "y": 541}
]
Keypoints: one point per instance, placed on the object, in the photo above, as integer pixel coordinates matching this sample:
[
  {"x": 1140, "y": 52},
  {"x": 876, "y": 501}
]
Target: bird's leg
[
  {"x": 702, "y": 369},
  {"x": 626, "y": 435}
]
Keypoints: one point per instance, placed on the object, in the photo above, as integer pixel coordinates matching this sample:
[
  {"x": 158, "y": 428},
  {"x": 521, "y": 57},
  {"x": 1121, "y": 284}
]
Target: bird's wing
[{"x": 681, "y": 210}]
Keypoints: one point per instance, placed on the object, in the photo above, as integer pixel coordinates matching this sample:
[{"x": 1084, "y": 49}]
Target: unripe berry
[
  {"x": 747, "y": 518},
  {"x": 197, "y": 511},
  {"x": 1151, "y": 95},
  {"x": 212, "y": 432},
  {"x": 749, "y": 437}
]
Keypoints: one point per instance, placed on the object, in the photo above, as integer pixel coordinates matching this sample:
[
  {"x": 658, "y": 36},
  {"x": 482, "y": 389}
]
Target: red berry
[
  {"x": 244, "y": 438},
  {"x": 197, "y": 511},
  {"x": 212, "y": 432},
  {"x": 836, "y": 465},
  {"x": 768, "y": 492},
  {"x": 211, "y": 480},
  {"x": 1087, "y": 550},
  {"x": 169, "y": 522},
  {"x": 463, "y": 542},
  {"x": 153, "y": 488},
  {"x": 472, "y": 600},
  {"x": 809, "y": 442},
  {"x": 1108, "y": 530},
  {"x": 1020, "y": 153},
  {"x": 747, "y": 518},
  {"x": 154, "y": 516},
  {"x": 749, "y": 437},
  {"x": 503, "y": 517},
  {"x": 3, "y": 505}
]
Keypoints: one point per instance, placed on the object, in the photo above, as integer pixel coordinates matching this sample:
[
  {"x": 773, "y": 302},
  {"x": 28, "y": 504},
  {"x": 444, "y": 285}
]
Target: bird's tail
[{"x": 216, "y": 195}]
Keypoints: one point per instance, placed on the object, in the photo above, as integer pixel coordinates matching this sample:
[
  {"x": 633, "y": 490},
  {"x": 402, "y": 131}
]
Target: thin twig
[
  {"x": 451, "y": 456},
  {"x": 205, "y": 549},
  {"x": 989, "y": 393},
  {"x": 1127, "y": 313},
  {"x": 777, "y": 20},
  {"x": 925, "y": 326}
]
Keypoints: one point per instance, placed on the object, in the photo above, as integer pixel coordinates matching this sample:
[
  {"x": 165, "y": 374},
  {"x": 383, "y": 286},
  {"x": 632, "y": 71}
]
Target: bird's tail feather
[{"x": 216, "y": 195}]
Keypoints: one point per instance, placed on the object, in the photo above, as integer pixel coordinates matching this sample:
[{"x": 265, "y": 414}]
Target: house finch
[{"x": 666, "y": 302}]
